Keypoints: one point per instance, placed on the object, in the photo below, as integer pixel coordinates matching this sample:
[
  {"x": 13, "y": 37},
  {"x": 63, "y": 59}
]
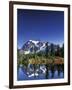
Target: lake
[{"x": 40, "y": 74}]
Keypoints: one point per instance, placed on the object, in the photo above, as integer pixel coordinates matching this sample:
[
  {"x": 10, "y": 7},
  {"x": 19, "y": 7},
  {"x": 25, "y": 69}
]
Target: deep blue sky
[{"x": 40, "y": 25}]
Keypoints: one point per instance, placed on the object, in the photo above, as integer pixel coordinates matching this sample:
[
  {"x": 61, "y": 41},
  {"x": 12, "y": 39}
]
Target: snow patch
[
  {"x": 35, "y": 42},
  {"x": 42, "y": 47},
  {"x": 36, "y": 74},
  {"x": 26, "y": 52}
]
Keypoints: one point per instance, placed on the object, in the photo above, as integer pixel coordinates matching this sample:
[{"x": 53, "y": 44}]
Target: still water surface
[{"x": 22, "y": 74}]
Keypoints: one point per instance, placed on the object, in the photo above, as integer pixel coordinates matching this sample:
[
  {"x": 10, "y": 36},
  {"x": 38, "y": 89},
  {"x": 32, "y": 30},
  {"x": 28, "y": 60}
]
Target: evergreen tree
[
  {"x": 18, "y": 55},
  {"x": 58, "y": 52},
  {"x": 47, "y": 50},
  {"x": 46, "y": 58},
  {"x": 52, "y": 50},
  {"x": 62, "y": 50}
]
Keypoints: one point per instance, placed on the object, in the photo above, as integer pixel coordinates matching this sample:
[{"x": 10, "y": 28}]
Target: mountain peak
[{"x": 34, "y": 41}]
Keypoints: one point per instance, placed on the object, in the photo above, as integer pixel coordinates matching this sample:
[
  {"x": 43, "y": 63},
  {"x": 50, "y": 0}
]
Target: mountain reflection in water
[{"x": 23, "y": 74}]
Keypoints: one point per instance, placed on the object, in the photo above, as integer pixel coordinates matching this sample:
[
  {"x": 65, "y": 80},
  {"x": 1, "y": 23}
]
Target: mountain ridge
[{"x": 35, "y": 46}]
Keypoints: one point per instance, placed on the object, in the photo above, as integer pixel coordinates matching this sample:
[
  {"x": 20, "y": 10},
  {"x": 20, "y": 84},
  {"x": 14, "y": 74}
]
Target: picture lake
[{"x": 39, "y": 73}]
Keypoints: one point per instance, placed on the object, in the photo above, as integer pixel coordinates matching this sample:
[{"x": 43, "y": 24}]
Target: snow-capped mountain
[{"x": 34, "y": 46}]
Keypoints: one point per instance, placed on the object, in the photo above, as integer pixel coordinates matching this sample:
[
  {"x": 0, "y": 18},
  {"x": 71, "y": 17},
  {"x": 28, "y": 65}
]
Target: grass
[
  {"x": 52, "y": 60},
  {"x": 39, "y": 59}
]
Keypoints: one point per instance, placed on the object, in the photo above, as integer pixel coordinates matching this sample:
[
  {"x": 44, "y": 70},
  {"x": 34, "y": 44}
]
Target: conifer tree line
[{"x": 52, "y": 52}]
